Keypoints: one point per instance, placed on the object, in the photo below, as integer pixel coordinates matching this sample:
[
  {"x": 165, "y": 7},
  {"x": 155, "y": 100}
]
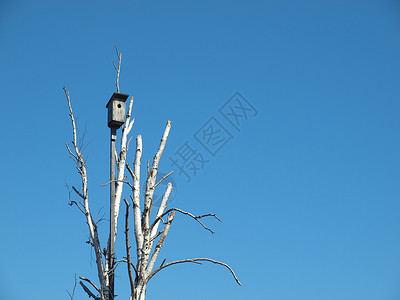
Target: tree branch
[
  {"x": 131, "y": 263},
  {"x": 161, "y": 180},
  {"x": 160, "y": 243},
  {"x": 116, "y": 180},
  {"x": 130, "y": 171},
  {"x": 86, "y": 289},
  {"x": 194, "y": 260},
  {"x": 71, "y": 153},
  {"x": 136, "y": 198},
  {"x": 160, "y": 211},
  {"x": 72, "y": 202},
  {"x": 76, "y": 191},
  {"x": 152, "y": 175},
  {"x": 148, "y": 200},
  {"x": 81, "y": 166},
  {"x": 128, "y": 249},
  {"x": 188, "y": 214},
  {"x": 119, "y": 55},
  {"x": 73, "y": 290},
  {"x": 152, "y": 238},
  {"x": 92, "y": 284}
]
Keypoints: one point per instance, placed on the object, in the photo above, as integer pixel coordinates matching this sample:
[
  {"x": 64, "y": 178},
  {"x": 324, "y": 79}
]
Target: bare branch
[
  {"x": 130, "y": 170},
  {"x": 160, "y": 150},
  {"x": 163, "y": 262},
  {"x": 136, "y": 196},
  {"x": 81, "y": 167},
  {"x": 161, "y": 180},
  {"x": 127, "y": 145},
  {"x": 71, "y": 153},
  {"x": 116, "y": 180},
  {"x": 73, "y": 202},
  {"x": 152, "y": 238},
  {"x": 119, "y": 55},
  {"x": 73, "y": 290},
  {"x": 160, "y": 211},
  {"x": 76, "y": 191},
  {"x": 148, "y": 198},
  {"x": 194, "y": 260},
  {"x": 125, "y": 261},
  {"x": 70, "y": 203},
  {"x": 92, "y": 284},
  {"x": 85, "y": 288},
  {"x": 128, "y": 249},
  {"x": 160, "y": 243},
  {"x": 188, "y": 214}
]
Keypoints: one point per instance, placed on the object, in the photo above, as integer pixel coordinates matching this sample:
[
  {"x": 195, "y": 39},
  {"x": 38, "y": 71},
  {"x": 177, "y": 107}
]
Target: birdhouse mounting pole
[
  {"x": 115, "y": 119},
  {"x": 113, "y": 138}
]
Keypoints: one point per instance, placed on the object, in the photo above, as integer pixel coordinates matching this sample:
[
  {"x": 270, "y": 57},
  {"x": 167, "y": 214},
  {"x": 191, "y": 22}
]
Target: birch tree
[{"x": 149, "y": 230}]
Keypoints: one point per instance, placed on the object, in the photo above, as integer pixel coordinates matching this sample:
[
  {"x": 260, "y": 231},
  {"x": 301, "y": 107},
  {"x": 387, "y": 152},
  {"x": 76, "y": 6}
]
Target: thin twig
[
  {"x": 73, "y": 290},
  {"x": 76, "y": 191},
  {"x": 72, "y": 202},
  {"x": 70, "y": 152},
  {"x": 130, "y": 171},
  {"x": 194, "y": 260},
  {"x": 156, "y": 236},
  {"x": 163, "y": 262},
  {"x": 127, "y": 144},
  {"x": 116, "y": 180},
  {"x": 188, "y": 214},
  {"x": 119, "y": 55},
  {"x": 161, "y": 180},
  {"x": 125, "y": 261}
]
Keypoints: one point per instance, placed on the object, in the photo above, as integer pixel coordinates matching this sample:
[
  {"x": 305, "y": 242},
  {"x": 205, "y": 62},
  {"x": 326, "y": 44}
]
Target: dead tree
[{"x": 150, "y": 231}]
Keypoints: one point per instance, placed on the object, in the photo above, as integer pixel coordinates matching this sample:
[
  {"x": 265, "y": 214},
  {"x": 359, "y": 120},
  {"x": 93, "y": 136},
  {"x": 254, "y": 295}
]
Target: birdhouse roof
[{"x": 119, "y": 97}]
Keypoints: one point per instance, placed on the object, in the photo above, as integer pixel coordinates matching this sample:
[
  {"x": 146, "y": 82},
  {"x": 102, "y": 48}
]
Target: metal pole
[{"x": 112, "y": 209}]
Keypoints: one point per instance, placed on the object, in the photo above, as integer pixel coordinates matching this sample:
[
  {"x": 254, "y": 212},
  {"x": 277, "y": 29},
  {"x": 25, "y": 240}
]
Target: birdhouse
[{"x": 116, "y": 110}]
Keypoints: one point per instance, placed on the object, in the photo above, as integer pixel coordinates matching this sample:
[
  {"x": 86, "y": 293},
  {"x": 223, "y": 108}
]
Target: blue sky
[{"x": 307, "y": 187}]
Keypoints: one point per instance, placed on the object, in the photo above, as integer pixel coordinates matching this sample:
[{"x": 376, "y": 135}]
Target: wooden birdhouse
[{"x": 116, "y": 110}]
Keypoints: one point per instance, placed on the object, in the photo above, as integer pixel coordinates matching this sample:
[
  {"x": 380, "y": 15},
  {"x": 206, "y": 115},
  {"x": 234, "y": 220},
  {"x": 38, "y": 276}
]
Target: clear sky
[{"x": 305, "y": 177}]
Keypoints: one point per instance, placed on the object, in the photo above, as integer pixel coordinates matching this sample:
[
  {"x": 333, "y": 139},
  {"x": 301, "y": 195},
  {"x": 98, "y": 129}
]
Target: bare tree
[{"x": 150, "y": 233}]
